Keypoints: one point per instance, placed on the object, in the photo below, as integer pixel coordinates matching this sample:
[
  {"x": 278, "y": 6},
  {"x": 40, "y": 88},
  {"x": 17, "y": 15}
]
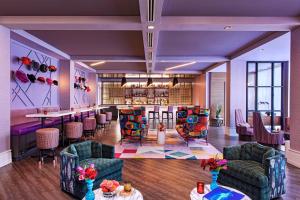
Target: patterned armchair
[
  {"x": 264, "y": 136},
  {"x": 133, "y": 123},
  {"x": 84, "y": 153},
  {"x": 256, "y": 170},
  {"x": 242, "y": 127},
  {"x": 192, "y": 122}
]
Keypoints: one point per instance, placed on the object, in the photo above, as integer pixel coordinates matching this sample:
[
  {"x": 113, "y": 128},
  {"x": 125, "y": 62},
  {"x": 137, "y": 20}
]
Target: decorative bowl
[{"x": 109, "y": 194}]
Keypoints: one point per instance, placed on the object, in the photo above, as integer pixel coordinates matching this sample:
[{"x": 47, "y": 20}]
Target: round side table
[
  {"x": 196, "y": 196},
  {"x": 136, "y": 195}
]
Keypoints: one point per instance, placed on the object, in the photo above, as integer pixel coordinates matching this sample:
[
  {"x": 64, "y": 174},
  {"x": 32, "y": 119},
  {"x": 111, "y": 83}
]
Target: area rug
[{"x": 174, "y": 148}]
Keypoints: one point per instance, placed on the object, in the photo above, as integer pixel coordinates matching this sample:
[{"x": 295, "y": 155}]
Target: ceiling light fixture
[
  {"x": 181, "y": 65},
  {"x": 151, "y": 27},
  {"x": 227, "y": 27},
  {"x": 97, "y": 63}
]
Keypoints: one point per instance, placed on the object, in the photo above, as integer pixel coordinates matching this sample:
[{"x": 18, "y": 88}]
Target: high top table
[{"x": 57, "y": 114}]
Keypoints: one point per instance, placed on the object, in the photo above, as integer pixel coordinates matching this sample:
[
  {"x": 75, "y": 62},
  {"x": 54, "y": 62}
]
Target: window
[{"x": 264, "y": 92}]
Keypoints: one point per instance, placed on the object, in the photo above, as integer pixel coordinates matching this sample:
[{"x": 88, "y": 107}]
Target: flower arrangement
[
  {"x": 214, "y": 164},
  {"x": 109, "y": 185},
  {"x": 161, "y": 127},
  {"x": 87, "y": 173}
]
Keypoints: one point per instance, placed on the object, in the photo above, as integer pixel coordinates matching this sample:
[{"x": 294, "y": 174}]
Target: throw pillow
[{"x": 258, "y": 151}]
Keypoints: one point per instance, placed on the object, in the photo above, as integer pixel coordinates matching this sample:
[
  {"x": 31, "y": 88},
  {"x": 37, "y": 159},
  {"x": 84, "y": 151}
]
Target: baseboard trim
[
  {"x": 293, "y": 156},
  {"x": 5, "y": 158}
]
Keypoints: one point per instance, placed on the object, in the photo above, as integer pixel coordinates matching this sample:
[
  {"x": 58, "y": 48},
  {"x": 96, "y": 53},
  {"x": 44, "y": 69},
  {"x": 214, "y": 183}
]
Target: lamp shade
[
  {"x": 175, "y": 81},
  {"x": 149, "y": 82},
  {"x": 123, "y": 82}
]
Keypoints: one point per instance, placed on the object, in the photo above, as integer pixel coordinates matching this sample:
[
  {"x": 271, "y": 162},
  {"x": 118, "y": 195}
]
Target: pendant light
[
  {"x": 149, "y": 82},
  {"x": 123, "y": 82},
  {"x": 175, "y": 81}
]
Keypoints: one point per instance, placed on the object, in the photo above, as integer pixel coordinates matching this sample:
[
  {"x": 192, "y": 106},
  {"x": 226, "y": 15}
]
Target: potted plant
[
  {"x": 88, "y": 173},
  {"x": 215, "y": 165},
  {"x": 218, "y": 111},
  {"x": 109, "y": 188}
]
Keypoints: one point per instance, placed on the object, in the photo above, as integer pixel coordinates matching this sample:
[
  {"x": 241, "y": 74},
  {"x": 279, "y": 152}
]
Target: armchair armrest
[
  {"x": 68, "y": 164},
  {"x": 108, "y": 151},
  {"x": 275, "y": 171},
  {"x": 232, "y": 152}
]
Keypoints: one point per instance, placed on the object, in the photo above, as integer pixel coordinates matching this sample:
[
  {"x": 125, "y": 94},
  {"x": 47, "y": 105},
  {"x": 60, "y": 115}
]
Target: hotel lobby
[{"x": 150, "y": 99}]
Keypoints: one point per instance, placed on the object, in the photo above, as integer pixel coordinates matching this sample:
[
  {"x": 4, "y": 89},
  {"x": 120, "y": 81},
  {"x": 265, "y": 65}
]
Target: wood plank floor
[{"x": 157, "y": 179}]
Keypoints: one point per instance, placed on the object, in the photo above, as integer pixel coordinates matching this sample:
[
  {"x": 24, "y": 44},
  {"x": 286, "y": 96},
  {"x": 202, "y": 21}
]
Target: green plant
[{"x": 218, "y": 110}]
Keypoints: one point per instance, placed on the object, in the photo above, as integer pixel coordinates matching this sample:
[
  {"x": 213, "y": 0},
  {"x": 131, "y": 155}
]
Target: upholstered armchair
[
  {"x": 242, "y": 127},
  {"x": 133, "y": 124},
  {"x": 256, "y": 170},
  {"x": 192, "y": 123},
  {"x": 263, "y": 135},
  {"x": 84, "y": 153}
]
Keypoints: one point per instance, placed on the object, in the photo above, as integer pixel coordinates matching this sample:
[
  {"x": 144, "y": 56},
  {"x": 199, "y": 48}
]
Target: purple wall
[{"x": 28, "y": 95}]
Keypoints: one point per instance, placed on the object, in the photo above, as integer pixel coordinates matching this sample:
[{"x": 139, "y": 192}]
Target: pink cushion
[{"x": 18, "y": 116}]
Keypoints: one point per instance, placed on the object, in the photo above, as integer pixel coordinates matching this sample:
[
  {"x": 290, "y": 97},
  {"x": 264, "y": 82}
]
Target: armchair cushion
[
  {"x": 96, "y": 150},
  {"x": 84, "y": 150},
  {"x": 232, "y": 152},
  {"x": 246, "y": 151},
  {"x": 248, "y": 171},
  {"x": 258, "y": 152}
]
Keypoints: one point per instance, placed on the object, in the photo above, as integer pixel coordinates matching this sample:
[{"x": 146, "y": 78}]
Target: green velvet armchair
[
  {"x": 84, "y": 153},
  {"x": 256, "y": 170}
]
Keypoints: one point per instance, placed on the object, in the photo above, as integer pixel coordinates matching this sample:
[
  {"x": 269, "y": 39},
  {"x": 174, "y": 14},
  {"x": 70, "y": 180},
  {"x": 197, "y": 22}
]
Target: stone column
[
  {"x": 5, "y": 152},
  {"x": 66, "y": 84}
]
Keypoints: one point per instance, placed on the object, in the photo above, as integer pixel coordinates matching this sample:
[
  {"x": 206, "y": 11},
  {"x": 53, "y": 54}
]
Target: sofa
[
  {"x": 192, "y": 123},
  {"x": 256, "y": 170},
  {"x": 133, "y": 123},
  {"x": 85, "y": 153}
]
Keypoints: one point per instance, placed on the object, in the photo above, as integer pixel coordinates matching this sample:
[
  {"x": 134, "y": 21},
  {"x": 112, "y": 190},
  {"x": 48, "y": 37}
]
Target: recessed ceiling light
[
  {"x": 97, "y": 63},
  {"x": 227, "y": 27},
  {"x": 151, "y": 27},
  {"x": 181, "y": 65}
]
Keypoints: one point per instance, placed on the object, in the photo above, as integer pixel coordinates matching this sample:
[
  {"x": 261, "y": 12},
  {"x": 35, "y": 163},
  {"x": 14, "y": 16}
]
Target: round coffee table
[
  {"x": 136, "y": 195},
  {"x": 196, "y": 196}
]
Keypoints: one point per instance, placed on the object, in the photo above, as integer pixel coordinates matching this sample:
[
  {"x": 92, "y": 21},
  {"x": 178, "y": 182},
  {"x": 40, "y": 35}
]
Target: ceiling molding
[
  {"x": 72, "y": 22},
  {"x": 178, "y": 59},
  {"x": 255, "y": 44},
  {"x": 108, "y": 58},
  {"x": 183, "y": 23}
]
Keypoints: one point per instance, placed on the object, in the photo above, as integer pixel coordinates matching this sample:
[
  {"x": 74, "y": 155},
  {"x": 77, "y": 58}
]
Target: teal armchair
[
  {"x": 84, "y": 153},
  {"x": 256, "y": 170}
]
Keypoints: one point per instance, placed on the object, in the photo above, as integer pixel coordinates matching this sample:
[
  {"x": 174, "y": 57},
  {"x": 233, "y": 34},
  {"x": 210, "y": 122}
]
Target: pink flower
[
  {"x": 92, "y": 165},
  {"x": 81, "y": 177},
  {"x": 79, "y": 169}
]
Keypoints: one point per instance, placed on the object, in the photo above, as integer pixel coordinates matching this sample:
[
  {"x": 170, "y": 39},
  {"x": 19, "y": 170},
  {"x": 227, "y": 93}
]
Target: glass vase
[
  {"x": 214, "y": 178},
  {"x": 89, "y": 194}
]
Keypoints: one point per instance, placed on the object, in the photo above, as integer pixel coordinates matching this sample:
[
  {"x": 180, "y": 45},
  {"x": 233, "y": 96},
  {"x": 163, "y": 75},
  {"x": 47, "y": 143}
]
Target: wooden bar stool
[
  {"x": 154, "y": 113},
  {"x": 73, "y": 131},
  {"x": 89, "y": 126},
  {"x": 168, "y": 113},
  {"x": 47, "y": 139}
]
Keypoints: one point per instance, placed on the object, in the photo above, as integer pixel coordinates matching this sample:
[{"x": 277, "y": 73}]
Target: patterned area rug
[{"x": 174, "y": 148}]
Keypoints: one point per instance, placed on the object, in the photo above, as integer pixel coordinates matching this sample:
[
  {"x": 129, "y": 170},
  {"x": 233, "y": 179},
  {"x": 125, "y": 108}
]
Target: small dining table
[{"x": 61, "y": 114}]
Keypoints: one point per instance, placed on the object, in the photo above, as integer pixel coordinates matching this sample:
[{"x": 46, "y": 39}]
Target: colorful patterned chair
[
  {"x": 256, "y": 170},
  {"x": 84, "y": 153},
  {"x": 192, "y": 123},
  {"x": 133, "y": 123}
]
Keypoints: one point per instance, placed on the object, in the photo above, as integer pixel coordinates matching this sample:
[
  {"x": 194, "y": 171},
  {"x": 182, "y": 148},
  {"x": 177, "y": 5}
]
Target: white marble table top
[{"x": 52, "y": 114}]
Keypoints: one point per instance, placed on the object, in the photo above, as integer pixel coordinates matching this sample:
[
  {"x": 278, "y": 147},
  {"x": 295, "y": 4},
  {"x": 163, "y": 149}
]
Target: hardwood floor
[{"x": 157, "y": 179}]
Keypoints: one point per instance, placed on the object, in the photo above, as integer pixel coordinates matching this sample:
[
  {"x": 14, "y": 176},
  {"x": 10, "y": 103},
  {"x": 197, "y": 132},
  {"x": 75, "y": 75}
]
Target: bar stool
[
  {"x": 108, "y": 117},
  {"x": 89, "y": 125},
  {"x": 168, "y": 112},
  {"x": 73, "y": 131},
  {"x": 154, "y": 113},
  {"x": 101, "y": 120},
  {"x": 47, "y": 139}
]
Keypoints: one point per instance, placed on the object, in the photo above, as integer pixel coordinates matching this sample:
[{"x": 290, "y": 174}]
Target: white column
[
  {"x": 235, "y": 94},
  {"x": 5, "y": 152},
  {"x": 66, "y": 84},
  {"x": 293, "y": 147},
  {"x": 93, "y": 82}
]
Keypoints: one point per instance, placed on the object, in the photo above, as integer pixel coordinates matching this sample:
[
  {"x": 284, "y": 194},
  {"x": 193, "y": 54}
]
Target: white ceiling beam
[
  {"x": 125, "y": 71},
  {"x": 72, "y": 22},
  {"x": 158, "y": 6},
  {"x": 183, "y": 23},
  {"x": 180, "y": 59},
  {"x": 213, "y": 66},
  {"x": 108, "y": 58},
  {"x": 85, "y": 66},
  {"x": 143, "y": 12},
  {"x": 177, "y": 72}
]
